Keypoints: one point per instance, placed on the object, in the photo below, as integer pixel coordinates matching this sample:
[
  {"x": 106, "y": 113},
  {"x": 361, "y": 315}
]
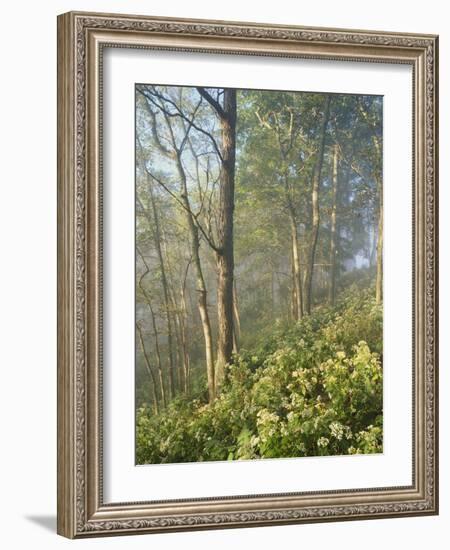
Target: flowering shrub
[{"x": 313, "y": 389}]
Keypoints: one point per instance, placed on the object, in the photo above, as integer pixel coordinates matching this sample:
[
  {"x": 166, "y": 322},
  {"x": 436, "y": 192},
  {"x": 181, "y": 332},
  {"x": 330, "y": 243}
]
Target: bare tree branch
[
  {"x": 180, "y": 203},
  {"x": 177, "y": 113},
  {"x": 154, "y": 128},
  {"x": 213, "y": 102}
]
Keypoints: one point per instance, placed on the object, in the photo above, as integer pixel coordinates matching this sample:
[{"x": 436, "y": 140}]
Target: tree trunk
[
  {"x": 237, "y": 320},
  {"x": 158, "y": 361},
  {"x": 333, "y": 229},
  {"x": 379, "y": 280},
  {"x": 315, "y": 209},
  {"x": 177, "y": 322},
  {"x": 179, "y": 351},
  {"x": 272, "y": 291},
  {"x": 201, "y": 286},
  {"x": 373, "y": 245},
  {"x": 297, "y": 308},
  {"x": 225, "y": 256},
  {"x": 158, "y": 237},
  {"x": 157, "y": 348},
  {"x": 293, "y": 287},
  {"x": 184, "y": 339},
  {"x": 149, "y": 369}
]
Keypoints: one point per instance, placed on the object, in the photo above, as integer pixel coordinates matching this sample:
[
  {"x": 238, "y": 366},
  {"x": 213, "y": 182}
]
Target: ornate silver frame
[{"x": 81, "y": 37}]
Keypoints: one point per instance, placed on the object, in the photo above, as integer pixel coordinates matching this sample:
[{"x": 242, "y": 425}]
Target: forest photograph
[{"x": 259, "y": 274}]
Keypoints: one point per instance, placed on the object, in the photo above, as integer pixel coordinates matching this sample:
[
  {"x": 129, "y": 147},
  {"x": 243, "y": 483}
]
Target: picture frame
[{"x": 82, "y": 40}]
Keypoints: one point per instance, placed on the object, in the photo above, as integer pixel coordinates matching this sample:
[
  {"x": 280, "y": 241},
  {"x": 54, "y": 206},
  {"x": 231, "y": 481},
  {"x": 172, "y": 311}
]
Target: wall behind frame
[{"x": 28, "y": 274}]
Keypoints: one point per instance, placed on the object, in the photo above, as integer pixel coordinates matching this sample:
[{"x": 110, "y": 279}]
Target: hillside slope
[{"x": 311, "y": 389}]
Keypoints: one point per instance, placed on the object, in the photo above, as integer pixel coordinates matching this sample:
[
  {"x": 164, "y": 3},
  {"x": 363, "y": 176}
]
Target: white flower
[{"x": 337, "y": 430}]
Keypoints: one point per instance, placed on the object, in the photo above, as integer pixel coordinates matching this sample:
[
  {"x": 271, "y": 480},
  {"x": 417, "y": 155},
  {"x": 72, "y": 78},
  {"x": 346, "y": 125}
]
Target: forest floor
[{"x": 311, "y": 388}]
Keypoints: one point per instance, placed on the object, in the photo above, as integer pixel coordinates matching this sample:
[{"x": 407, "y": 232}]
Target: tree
[
  {"x": 287, "y": 117},
  {"x": 149, "y": 368},
  {"x": 154, "y": 221},
  {"x": 315, "y": 209},
  {"x": 225, "y": 246},
  {"x": 333, "y": 227},
  {"x": 379, "y": 279},
  {"x": 148, "y": 301},
  {"x": 371, "y": 115},
  {"x": 284, "y": 122},
  {"x": 175, "y": 154}
]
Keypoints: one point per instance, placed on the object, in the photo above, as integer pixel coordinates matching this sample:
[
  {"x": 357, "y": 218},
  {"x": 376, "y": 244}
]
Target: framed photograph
[{"x": 247, "y": 282}]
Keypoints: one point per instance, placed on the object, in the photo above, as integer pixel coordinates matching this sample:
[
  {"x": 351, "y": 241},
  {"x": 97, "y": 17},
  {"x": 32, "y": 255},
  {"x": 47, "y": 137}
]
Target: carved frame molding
[{"x": 81, "y": 37}]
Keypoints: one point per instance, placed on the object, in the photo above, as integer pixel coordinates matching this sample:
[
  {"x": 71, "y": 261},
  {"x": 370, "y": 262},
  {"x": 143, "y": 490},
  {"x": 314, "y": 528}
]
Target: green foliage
[{"x": 312, "y": 389}]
